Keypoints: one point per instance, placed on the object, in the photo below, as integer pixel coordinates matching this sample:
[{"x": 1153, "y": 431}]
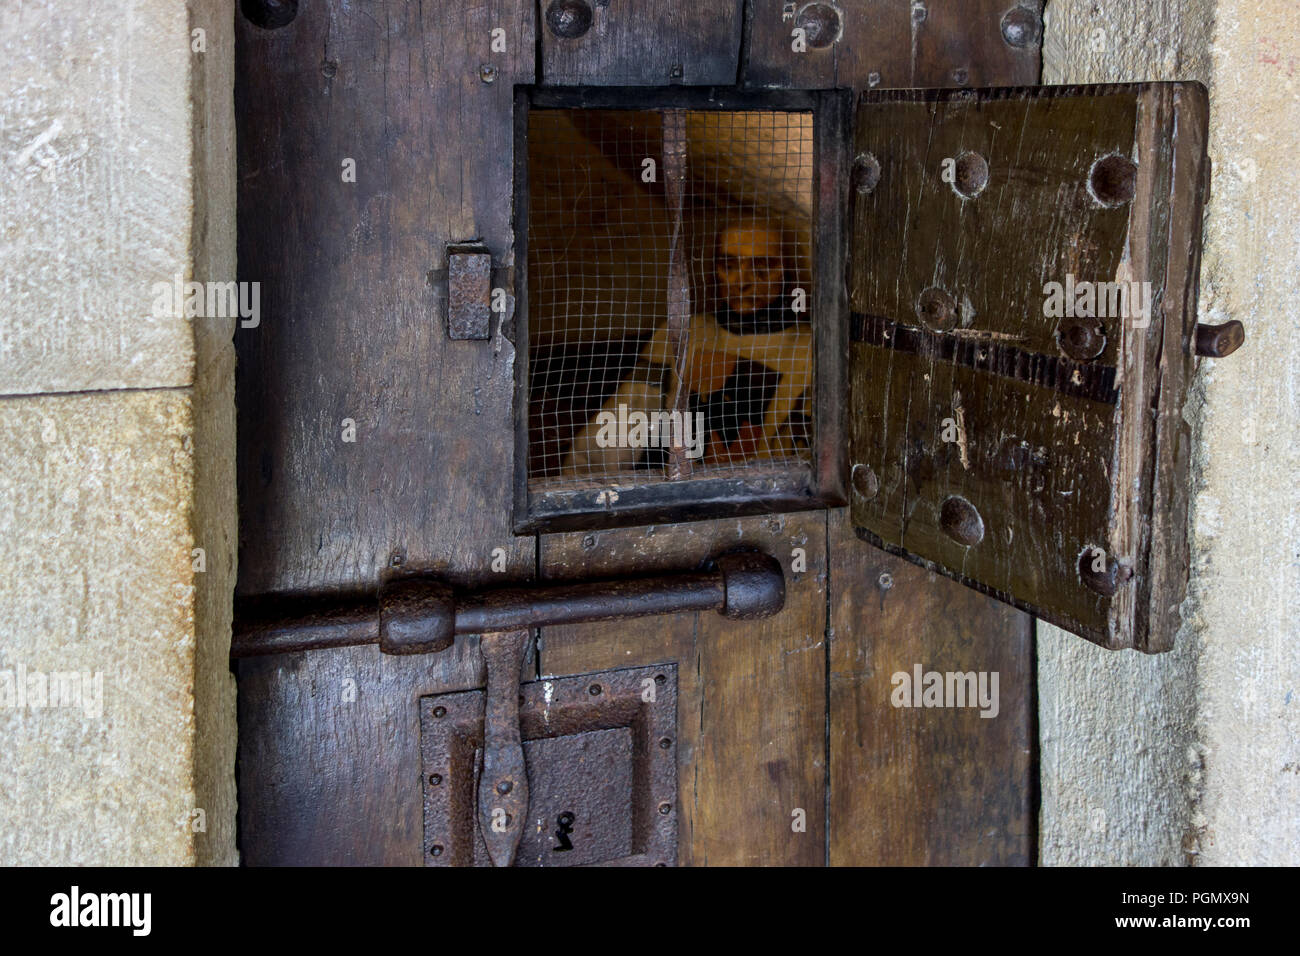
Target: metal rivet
[
  {"x": 971, "y": 175},
  {"x": 329, "y": 69},
  {"x": 505, "y": 786},
  {"x": 1020, "y": 27},
  {"x": 864, "y": 481},
  {"x": 919, "y": 13},
  {"x": 665, "y": 743},
  {"x": 440, "y": 711},
  {"x": 866, "y": 174},
  {"x": 594, "y": 690},
  {"x": 1112, "y": 181},
  {"x": 436, "y": 849},
  {"x": 396, "y": 559},
  {"x": 937, "y": 310},
  {"x": 435, "y": 779},
  {"x": 269, "y": 14},
  {"x": 1081, "y": 341},
  {"x": 886, "y": 580},
  {"x": 820, "y": 23},
  {"x": 589, "y": 541},
  {"x": 961, "y": 522},
  {"x": 487, "y": 73},
  {"x": 1106, "y": 580},
  {"x": 960, "y": 76},
  {"x": 665, "y": 808},
  {"x": 675, "y": 72},
  {"x": 568, "y": 19}
]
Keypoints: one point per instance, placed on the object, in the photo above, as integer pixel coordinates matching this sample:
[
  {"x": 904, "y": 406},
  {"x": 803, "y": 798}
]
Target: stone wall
[
  {"x": 1194, "y": 756},
  {"x": 118, "y": 431}
]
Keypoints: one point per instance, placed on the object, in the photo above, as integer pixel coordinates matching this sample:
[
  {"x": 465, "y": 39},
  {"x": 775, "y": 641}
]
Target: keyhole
[{"x": 565, "y": 820}]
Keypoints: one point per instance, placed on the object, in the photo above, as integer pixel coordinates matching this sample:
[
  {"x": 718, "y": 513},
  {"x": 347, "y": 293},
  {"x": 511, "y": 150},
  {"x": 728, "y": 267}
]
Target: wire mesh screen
[{"x": 670, "y": 294}]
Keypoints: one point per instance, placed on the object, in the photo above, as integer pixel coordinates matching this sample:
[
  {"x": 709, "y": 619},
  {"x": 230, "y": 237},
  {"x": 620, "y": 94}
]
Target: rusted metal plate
[
  {"x": 600, "y": 751},
  {"x": 469, "y": 292},
  {"x": 1024, "y": 296}
]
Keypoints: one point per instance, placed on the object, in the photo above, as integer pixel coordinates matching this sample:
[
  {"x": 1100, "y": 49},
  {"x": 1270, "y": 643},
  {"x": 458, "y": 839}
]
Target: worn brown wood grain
[
  {"x": 353, "y": 327},
  {"x": 890, "y": 44},
  {"x": 899, "y": 793},
  {"x": 925, "y": 786},
  {"x": 1056, "y": 453},
  {"x": 751, "y": 694},
  {"x": 644, "y": 44}
]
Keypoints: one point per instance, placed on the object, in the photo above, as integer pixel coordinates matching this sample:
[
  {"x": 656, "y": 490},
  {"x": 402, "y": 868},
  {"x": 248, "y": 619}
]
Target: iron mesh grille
[{"x": 669, "y": 295}]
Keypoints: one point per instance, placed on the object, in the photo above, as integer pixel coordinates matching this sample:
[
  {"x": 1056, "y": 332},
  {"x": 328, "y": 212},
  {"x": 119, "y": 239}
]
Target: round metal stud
[
  {"x": 1021, "y": 27},
  {"x": 821, "y": 24},
  {"x": 937, "y": 310},
  {"x": 1112, "y": 181},
  {"x": 568, "y": 19},
  {"x": 961, "y": 522}
]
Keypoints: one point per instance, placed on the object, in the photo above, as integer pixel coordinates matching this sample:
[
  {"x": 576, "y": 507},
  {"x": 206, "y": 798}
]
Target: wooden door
[{"x": 373, "y": 137}]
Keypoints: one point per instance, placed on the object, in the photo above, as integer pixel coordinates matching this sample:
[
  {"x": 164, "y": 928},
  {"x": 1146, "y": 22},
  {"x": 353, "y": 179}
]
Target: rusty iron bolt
[
  {"x": 864, "y": 481},
  {"x": 1219, "y": 341},
  {"x": 1112, "y": 181},
  {"x": 971, "y": 175},
  {"x": 1021, "y": 27},
  {"x": 937, "y": 310},
  {"x": 1105, "y": 580},
  {"x": 568, "y": 19},
  {"x": 866, "y": 174},
  {"x": 821, "y": 24},
  {"x": 961, "y": 522},
  {"x": 1081, "y": 341},
  {"x": 269, "y": 14}
]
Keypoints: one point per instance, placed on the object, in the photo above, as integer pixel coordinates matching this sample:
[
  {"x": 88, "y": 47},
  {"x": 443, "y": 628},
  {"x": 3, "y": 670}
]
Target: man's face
[{"x": 749, "y": 266}]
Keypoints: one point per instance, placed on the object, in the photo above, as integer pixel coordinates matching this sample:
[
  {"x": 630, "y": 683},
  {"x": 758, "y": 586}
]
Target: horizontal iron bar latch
[{"x": 420, "y": 614}]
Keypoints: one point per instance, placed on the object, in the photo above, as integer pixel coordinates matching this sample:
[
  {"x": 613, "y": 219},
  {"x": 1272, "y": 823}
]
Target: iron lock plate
[{"x": 601, "y": 757}]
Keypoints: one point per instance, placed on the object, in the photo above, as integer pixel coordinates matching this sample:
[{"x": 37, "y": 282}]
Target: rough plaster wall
[
  {"x": 1246, "y": 580},
  {"x": 116, "y": 142},
  {"x": 1192, "y": 756}
]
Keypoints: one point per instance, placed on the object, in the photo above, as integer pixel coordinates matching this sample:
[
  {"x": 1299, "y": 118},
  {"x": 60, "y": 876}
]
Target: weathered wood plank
[
  {"x": 888, "y": 44},
  {"x": 354, "y": 292},
  {"x": 1004, "y": 454},
  {"x": 751, "y": 694},
  {"x": 919, "y": 785},
  {"x": 353, "y": 280},
  {"x": 930, "y": 803},
  {"x": 648, "y": 43}
]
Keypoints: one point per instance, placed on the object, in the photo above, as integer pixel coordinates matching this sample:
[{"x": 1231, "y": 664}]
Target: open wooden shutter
[{"x": 1038, "y": 457}]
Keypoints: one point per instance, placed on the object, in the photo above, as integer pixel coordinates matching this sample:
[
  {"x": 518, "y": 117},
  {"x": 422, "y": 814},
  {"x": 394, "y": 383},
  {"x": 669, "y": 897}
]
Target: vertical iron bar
[{"x": 679, "y": 285}]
